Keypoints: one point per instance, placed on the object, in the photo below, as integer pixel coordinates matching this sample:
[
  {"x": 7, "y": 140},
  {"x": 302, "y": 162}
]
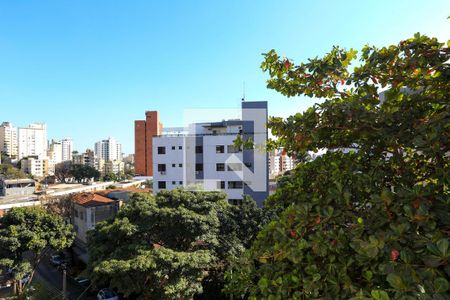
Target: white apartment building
[
  {"x": 108, "y": 149},
  {"x": 67, "y": 149},
  {"x": 279, "y": 163},
  {"x": 204, "y": 157},
  {"x": 8, "y": 139},
  {"x": 35, "y": 166},
  {"x": 32, "y": 140},
  {"x": 54, "y": 154}
]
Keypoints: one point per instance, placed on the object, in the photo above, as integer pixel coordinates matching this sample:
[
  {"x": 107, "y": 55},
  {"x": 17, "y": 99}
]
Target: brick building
[{"x": 144, "y": 130}]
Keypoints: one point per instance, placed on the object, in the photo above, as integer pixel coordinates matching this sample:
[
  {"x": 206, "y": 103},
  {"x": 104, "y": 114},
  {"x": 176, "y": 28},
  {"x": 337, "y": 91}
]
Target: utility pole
[{"x": 64, "y": 282}]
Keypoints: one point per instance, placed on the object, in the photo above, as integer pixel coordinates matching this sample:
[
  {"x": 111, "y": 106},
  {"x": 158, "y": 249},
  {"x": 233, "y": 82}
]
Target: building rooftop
[
  {"x": 23, "y": 180},
  {"x": 128, "y": 190},
  {"x": 91, "y": 199}
]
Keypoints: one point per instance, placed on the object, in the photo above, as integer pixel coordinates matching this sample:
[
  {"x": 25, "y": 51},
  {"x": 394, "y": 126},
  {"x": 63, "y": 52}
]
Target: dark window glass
[
  {"x": 173, "y": 147},
  {"x": 235, "y": 184},
  {"x": 180, "y": 147},
  {"x": 220, "y": 167},
  {"x": 161, "y": 150},
  {"x": 161, "y": 168},
  {"x": 180, "y": 165},
  {"x": 174, "y": 165},
  {"x": 161, "y": 184},
  {"x": 198, "y": 167},
  {"x": 220, "y": 149},
  {"x": 198, "y": 149}
]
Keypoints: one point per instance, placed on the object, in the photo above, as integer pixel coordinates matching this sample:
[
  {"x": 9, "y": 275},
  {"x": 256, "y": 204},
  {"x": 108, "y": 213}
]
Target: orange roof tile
[{"x": 91, "y": 199}]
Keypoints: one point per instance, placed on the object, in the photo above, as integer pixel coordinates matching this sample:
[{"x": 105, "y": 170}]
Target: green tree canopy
[
  {"x": 170, "y": 246},
  {"x": 84, "y": 172},
  {"x": 8, "y": 171},
  {"x": 369, "y": 219},
  {"x": 33, "y": 230}
]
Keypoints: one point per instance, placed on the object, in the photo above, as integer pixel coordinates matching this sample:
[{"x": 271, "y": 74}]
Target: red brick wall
[
  {"x": 143, "y": 134},
  {"x": 152, "y": 127},
  {"x": 139, "y": 148}
]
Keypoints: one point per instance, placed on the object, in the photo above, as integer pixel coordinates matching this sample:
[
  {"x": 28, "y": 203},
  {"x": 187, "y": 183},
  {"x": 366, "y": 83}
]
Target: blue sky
[{"x": 90, "y": 68}]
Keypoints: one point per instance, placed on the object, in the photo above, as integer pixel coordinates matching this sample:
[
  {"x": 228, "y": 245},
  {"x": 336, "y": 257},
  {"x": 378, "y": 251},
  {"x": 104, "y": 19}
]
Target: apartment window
[
  {"x": 180, "y": 165},
  {"x": 248, "y": 164},
  {"x": 162, "y": 169},
  {"x": 75, "y": 213},
  {"x": 221, "y": 185},
  {"x": 220, "y": 149},
  {"x": 198, "y": 149},
  {"x": 180, "y": 182},
  {"x": 235, "y": 184},
  {"x": 220, "y": 167},
  {"x": 174, "y": 182},
  {"x": 173, "y": 147},
  {"x": 174, "y": 165},
  {"x": 161, "y": 150},
  {"x": 235, "y": 201},
  {"x": 198, "y": 167},
  {"x": 234, "y": 167},
  {"x": 233, "y": 149},
  {"x": 180, "y": 147},
  {"x": 161, "y": 184}
]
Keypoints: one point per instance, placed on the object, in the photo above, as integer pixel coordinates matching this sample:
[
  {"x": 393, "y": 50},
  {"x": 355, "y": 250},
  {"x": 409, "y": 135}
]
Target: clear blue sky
[{"x": 90, "y": 68}]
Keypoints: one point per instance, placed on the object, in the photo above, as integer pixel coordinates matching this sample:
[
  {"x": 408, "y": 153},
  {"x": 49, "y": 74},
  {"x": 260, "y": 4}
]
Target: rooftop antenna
[{"x": 243, "y": 91}]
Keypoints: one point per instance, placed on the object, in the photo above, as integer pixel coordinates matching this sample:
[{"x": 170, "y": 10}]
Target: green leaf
[
  {"x": 396, "y": 281},
  {"x": 441, "y": 285},
  {"x": 442, "y": 245},
  {"x": 379, "y": 295}
]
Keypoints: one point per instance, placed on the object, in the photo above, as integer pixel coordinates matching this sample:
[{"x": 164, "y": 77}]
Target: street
[{"x": 53, "y": 280}]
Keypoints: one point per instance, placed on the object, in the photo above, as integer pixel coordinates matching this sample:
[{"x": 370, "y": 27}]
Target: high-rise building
[
  {"x": 32, "y": 140},
  {"x": 87, "y": 158},
  {"x": 8, "y": 140},
  {"x": 206, "y": 158},
  {"x": 279, "y": 162},
  {"x": 54, "y": 154},
  {"x": 108, "y": 149},
  {"x": 67, "y": 149},
  {"x": 144, "y": 130}
]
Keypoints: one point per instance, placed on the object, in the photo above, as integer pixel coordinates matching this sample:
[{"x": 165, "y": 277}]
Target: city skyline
[{"x": 92, "y": 68}]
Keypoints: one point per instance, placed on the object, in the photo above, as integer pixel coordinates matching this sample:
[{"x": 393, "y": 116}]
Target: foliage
[
  {"x": 369, "y": 218},
  {"x": 33, "y": 230},
  {"x": 170, "y": 246},
  {"x": 84, "y": 172},
  {"x": 110, "y": 177},
  {"x": 8, "y": 171},
  {"x": 63, "y": 171}
]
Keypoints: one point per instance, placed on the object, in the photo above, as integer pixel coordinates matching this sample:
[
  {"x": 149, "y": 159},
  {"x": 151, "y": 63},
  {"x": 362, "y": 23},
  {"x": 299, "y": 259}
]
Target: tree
[
  {"x": 7, "y": 171},
  {"x": 34, "y": 231},
  {"x": 169, "y": 246},
  {"x": 369, "y": 218},
  {"x": 84, "y": 172},
  {"x": 63, "y": 170},
  {"x": 110, "y": 177}
]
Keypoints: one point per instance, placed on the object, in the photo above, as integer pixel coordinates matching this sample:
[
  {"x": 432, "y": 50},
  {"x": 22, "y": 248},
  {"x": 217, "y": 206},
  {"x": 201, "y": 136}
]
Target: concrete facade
[
  {"x": 205, "y": 158},
  {"x": 8, "y": 139}
]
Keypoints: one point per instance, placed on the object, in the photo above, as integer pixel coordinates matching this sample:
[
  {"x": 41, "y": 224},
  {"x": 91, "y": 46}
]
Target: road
[{"x": 53, "y": 280}]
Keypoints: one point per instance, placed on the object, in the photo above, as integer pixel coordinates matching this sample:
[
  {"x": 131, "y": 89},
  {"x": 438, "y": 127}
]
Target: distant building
[
  {"x": 32, "y": 140},
  {"x": 114, "y": 166},
  {"x": 205, "y": 158},
  {"x": 108, "y": 149},
  {"x": 14, "y": 187},
  {"x": 144, "y": 130},
  {"x": 54, "y": 154},
  {"x": 67, "y": 149},
  {"x": 34, "y": 165},
  {"x": 86, "y": 158},
  {"x": 279, "y": 162},
  {"x": 8, "y": 140}
]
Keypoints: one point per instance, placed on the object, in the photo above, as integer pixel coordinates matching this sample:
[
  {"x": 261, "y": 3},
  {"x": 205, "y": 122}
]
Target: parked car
[
  {"x": 58, "y": 260},
  {"x": 5, "y": 280},
  {"x": 107, "y": 294},
  {"x": 83, "y": 281}
]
